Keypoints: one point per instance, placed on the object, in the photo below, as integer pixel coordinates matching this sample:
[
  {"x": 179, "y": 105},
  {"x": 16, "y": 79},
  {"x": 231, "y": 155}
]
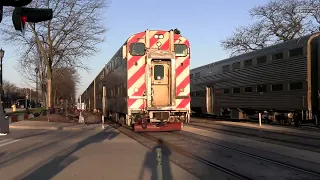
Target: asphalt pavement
[{"x": 89, "y": 153}]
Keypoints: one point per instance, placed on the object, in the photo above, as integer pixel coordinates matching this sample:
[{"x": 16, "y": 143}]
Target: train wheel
[{"x": 297, "y": 119}]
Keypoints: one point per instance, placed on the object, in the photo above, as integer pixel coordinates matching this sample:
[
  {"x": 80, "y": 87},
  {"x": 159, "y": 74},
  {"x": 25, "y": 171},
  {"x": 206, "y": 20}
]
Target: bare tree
[
  {"x": 277, "y": 21},
  {"x": 247, "y": 39},
  {"x": 64, "y": 83},
  {"x": 66, "y": 40}
]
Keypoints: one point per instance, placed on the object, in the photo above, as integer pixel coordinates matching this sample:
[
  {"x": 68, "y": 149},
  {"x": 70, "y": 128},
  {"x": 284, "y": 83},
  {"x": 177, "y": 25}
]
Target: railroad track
[
  {"x": 297, "y": 141},
  {"x": 304, "y": 126},
  {"x": 127, "y": 131},
  {"x": 296, "y": 134},
  {"x": 293, "y": 167},
  {"x": 171, "y": 141},
  {"x": 198, "y": 158}
]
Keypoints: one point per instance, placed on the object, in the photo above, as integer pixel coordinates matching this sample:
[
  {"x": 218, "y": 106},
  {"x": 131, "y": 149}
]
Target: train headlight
[
  {"x": 156, "y": 36},
  {"x": 136, "y": 89},
  {"x": 182, "y": 89},
  {"x": 159, "y": 43},
  {"x": 161, "y": 36}
]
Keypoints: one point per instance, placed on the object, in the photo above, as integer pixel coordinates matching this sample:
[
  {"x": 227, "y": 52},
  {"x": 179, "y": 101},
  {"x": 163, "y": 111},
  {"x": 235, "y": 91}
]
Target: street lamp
[
  {"x": 37, "y": 71},
  {"x": 1, "y": 83}
]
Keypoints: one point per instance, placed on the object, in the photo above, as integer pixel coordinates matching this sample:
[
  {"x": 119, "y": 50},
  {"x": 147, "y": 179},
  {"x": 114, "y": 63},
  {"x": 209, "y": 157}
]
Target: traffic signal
[
  {"x": 22, "y": 15},
  {"x": 15, "y": 3}
]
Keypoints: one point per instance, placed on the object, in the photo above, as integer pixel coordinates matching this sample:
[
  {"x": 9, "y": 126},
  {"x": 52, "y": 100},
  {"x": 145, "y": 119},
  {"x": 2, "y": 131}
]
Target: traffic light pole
[{"x": 4, "y": 123}]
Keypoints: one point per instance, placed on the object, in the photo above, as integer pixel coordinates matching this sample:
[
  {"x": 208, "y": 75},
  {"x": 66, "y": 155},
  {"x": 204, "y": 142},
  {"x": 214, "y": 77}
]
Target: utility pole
[{"x": 4, "y": 123}]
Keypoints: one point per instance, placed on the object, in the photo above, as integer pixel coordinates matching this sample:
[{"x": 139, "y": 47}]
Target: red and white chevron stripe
[{"x": 136, "y": 68}]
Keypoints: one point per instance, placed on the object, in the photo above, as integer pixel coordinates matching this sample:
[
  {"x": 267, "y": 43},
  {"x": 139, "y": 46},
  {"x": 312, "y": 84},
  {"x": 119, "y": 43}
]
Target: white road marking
[{"x": 8, "y": 141}]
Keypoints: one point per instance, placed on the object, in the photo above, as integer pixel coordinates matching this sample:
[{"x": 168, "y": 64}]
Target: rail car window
[
  {"x": 262, "y": 88},
  {"x": 247, "y": 89},
  {"x": 158, "y": 72},
  {"x": 202, "y": 93},
  {"x": 197, "y": 75},
  {"x": 296, "y": 52},
  {"x": 236, "y": 66},
  {"x": 236, "y": 90},
  {"x": 247, "y": 63},
  {"x": 226, "y": 91},
  {"x": 277, "y": 56},
  {"x": 225, "y": 68},
  {"x": 296, "y": 85},
  {"x": 277, "y": 87},
  {"x": 181, "y": 50},
  {"x": 261, "y": 60},
  {"x": 137, "y": 49}
]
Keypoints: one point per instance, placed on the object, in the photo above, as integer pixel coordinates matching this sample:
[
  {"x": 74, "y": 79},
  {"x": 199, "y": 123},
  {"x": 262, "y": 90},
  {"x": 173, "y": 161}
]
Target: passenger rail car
[
  {"x": 146, "y": 84},
  {"x": 281, "y": 81}
]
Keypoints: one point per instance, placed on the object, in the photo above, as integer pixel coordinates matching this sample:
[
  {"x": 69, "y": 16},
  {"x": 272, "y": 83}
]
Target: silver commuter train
[{"x": 281, "y": 81}]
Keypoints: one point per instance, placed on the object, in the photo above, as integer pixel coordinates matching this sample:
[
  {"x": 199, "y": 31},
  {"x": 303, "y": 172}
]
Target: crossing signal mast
[{"x": 21, "y": 15}]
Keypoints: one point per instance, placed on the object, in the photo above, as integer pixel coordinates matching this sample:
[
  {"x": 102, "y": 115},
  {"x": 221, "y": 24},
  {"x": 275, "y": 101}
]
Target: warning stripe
[
  {"x": 182, "y": 75},
  {"x": 136, "y": 70},
  {"x": 185, "y": 103},
  {"x": 164, "y": 41}
]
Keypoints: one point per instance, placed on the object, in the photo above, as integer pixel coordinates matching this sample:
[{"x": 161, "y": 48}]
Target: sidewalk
[
  {"x": 93, "y": 154},
  {"x": 51, "y": 125}
]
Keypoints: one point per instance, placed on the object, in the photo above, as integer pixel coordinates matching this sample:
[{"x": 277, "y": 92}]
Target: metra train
[
  {"x": 146, "y": 84},
  {"x": 281, "y": 82}
]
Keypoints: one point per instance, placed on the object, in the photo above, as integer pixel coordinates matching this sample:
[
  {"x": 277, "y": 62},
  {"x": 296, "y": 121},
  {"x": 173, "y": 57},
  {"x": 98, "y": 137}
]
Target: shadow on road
[
  {"x": 2, "y": 154},
  {"x": 65, "y": 157},
  {"x": 150, "y": 163}
]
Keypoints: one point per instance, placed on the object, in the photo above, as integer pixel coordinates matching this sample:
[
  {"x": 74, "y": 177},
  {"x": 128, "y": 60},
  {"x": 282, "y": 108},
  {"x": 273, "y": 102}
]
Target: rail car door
[
  {"x": 160, "y": 83},
  {"x": 209, "y": 100}
]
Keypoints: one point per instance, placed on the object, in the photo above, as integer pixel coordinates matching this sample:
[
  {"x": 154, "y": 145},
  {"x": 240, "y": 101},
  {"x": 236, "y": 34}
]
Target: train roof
[{"x": 272, "y": 48}]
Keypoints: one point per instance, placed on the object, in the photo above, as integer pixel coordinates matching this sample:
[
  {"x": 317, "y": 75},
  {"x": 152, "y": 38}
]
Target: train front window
[
  {"x": 181, "y": 50},
  {"x": 137, "y": 49},
  {"x": 158, "y": 72}
]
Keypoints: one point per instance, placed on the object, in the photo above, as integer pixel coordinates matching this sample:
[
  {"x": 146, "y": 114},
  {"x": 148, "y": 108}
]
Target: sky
[{"x": 205, "y": 23}]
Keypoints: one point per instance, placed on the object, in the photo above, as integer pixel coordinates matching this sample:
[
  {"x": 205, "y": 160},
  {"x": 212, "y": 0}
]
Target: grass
[{"x": 33, "y": 110}]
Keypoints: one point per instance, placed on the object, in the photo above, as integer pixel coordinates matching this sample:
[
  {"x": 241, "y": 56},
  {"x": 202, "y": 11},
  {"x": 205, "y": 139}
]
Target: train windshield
[
  {"x": 137, "y": 49},
  {"x": 180, "y": 50}
]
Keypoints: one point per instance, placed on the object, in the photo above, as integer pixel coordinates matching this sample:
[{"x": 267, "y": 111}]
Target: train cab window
[
  {"x": 296, "y": 85},
  {"x": 158, "y": 72},
  {"x": 236, "y": 90},
  {"x": 225, "y": 68},
  {"x": 197, "y": 75},
  {"x": 277, "y": 87},
  {"x": 137, "y": 49},
  {"x": 296, "y": 52},
  {"x": 247, "y": 63},
  {"x": 226, "y": 91},
  {"x": 247, "y": 89},
  {"x": 262, "y": 88},
  {"x": 236, "y": 66},
  {"x": 277, "y": 56},
  {"x": 261, "y": 60},
  {"x": 181, "y": 50}
]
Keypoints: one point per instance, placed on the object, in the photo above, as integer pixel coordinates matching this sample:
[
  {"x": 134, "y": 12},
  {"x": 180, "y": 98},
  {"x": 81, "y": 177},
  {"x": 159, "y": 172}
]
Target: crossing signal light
[
  {"x": 15, "y": 3},
  {"x": 22, "y": 15}
]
